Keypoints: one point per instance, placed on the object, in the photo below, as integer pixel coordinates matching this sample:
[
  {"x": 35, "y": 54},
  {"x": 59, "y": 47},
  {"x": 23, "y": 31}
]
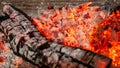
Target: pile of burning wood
[{"x": 27, "y": 42}]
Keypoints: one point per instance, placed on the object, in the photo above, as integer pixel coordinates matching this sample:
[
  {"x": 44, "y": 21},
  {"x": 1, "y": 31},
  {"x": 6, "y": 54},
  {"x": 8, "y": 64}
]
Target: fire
[
  {"x": 3, "y": 47},
  {"x": 107, "y": 36},
  {"x": 2, "y": 59},
  {"x": 17, "y": 62},
  {"x": 83, "y": 26}
]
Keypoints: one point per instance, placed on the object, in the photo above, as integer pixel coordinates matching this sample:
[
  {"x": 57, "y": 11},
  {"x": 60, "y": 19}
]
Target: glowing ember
[
  {"x": 69, "y": 26},
  {"x": 3, "y": 47},
  {"x": 18, "y": 62},
  {"x": 2, "y": 59},
  {"x": 83, "y": 26},
  {"x": 106, "y": 38}
]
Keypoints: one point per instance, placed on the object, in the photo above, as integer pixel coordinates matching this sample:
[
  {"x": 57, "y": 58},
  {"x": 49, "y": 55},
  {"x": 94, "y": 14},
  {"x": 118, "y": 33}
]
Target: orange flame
[
  {"x": 108, "y": 34},
  {"x": 83, "y": 26}
]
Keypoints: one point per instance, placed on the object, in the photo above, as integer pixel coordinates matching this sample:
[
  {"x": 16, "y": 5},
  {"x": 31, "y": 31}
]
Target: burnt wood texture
[{"x": 27, "y": 42}]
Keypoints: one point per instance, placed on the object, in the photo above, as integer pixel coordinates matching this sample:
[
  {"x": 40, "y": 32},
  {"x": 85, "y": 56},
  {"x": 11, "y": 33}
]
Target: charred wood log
[{"x": 27, "y": 42}]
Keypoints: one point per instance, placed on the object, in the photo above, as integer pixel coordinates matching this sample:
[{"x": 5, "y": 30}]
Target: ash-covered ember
[
  {"x": 2, "y": 59},
  {"x": 6, "y": 55},
  {"x": 70, "y": 26},
  {"x": 17, "y": 62},
  {"x": 83, "y": 26},
  {"x": 3, "y": 48}
]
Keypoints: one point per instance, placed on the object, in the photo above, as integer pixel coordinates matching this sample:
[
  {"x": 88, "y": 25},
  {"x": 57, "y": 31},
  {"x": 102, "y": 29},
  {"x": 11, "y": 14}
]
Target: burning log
[{"x": 27, "y": 42}]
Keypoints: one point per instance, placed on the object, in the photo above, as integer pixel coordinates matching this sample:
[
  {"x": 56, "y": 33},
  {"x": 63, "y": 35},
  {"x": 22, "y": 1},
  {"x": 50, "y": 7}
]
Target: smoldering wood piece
[
  {"x": 35, "y": 49},
  {"x": 27, "y": 42},
  {"x": 84, "y": 56}
]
